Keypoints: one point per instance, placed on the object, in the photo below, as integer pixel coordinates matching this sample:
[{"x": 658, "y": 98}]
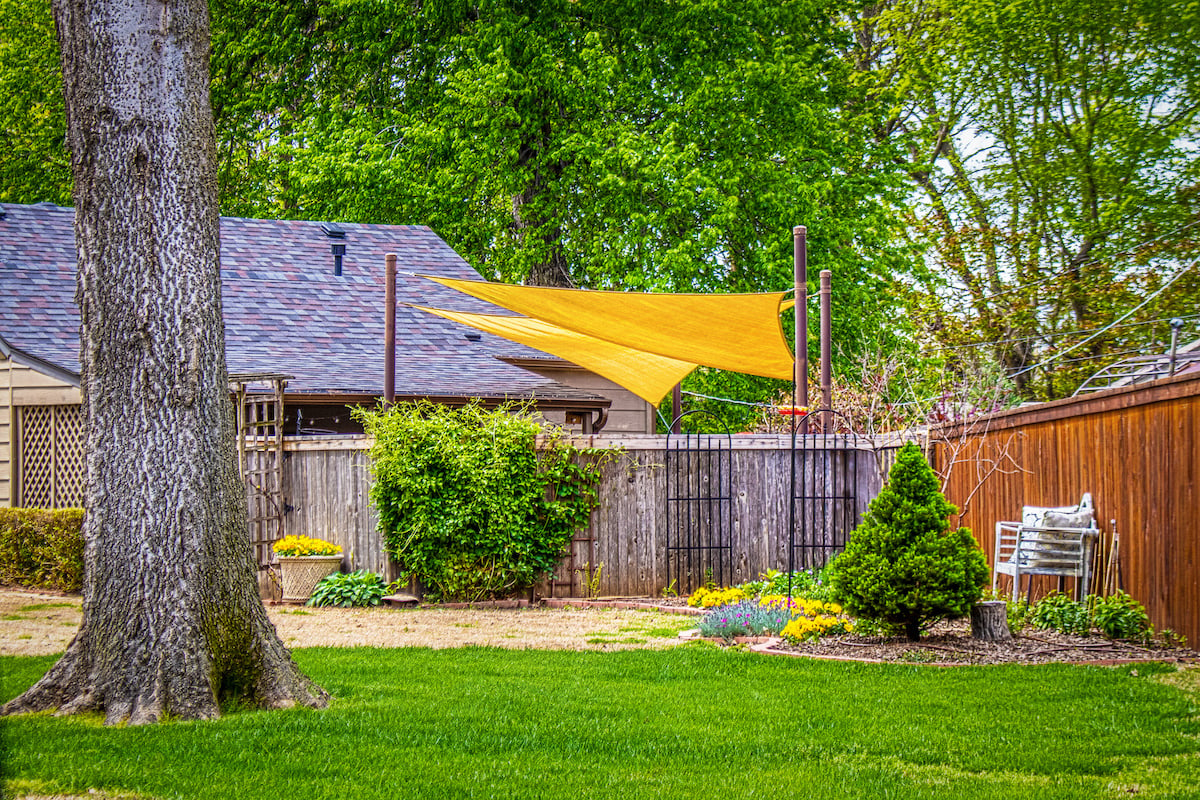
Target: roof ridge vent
[{"x": 332, "y": 230}]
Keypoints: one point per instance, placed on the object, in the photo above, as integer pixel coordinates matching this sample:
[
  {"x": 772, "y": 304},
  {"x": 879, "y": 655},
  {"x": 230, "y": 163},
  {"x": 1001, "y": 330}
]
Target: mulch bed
[
  {"x": 947, "y": 643},
  {"x": 950, "y": 643}
]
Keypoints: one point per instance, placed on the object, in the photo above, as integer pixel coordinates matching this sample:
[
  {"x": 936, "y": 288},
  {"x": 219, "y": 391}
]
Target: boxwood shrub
[{"x": 42, "y": 548}]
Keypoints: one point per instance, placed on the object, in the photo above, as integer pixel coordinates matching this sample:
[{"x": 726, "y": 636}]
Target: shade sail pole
[
  {"x": 676, "y": 408},
  {"x": 826, "y": 350},
  {"x": 800, "y": 275}
]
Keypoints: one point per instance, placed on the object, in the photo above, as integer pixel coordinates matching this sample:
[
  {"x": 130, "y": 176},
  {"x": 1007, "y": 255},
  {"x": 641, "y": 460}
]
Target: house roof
[{"x": 285, "y": 309}]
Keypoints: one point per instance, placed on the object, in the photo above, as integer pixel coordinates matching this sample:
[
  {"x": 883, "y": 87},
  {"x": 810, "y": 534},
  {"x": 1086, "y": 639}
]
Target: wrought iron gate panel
[
  {"x": 699, "y": 513},
  {"x": 824, "y": 507}
]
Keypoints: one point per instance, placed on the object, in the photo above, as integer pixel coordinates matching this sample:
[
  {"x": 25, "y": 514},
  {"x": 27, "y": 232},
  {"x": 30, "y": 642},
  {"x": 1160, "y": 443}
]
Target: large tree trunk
[{"x": 172, "y": 621}]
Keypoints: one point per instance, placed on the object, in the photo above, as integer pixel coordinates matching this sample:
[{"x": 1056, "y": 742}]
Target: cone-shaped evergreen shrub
[{"x": 903, "y": 566}]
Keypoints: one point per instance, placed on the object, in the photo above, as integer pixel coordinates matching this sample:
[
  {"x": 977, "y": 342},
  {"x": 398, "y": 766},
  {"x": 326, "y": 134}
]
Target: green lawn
[{"x": 691, "y": 722}]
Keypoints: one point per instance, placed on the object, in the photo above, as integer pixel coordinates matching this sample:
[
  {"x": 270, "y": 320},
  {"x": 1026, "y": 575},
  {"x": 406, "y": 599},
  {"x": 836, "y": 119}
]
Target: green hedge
[{"x": 42, "y": 548}]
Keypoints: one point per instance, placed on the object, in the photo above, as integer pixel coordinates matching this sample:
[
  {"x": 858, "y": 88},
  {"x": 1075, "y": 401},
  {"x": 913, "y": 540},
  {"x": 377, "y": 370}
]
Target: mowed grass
[{"x": 690, "y": 722}]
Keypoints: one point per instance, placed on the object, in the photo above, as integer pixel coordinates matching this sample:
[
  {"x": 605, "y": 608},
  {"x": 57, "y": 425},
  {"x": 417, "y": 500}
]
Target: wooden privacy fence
[
  {"x": 1136, "y": 449},
  {"x": 326, "y": 486}
]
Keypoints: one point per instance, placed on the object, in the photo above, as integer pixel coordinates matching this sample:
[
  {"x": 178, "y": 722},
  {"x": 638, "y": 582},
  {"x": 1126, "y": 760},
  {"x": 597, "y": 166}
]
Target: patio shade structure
[{"x": 644, "y": 342}]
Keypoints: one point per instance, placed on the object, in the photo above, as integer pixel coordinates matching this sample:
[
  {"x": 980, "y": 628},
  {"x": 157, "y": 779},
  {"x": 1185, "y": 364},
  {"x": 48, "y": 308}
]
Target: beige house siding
[
  {"x": 628, "y": 413},
  {"x": 20, "y": 386}
]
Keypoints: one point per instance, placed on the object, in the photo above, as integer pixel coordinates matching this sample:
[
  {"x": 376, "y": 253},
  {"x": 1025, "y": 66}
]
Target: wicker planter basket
[{"x": 301, "y": 574}]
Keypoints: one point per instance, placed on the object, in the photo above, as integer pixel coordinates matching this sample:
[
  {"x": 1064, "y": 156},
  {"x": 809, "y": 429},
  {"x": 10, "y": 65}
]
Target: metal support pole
[
  {"x": 800, "y": 276},
  {"x": 389, "y": 324},
  {"x": 826, "y": 349},
  {"x": 1176, "y": 324},
  {"x": 676, "y": 408}
]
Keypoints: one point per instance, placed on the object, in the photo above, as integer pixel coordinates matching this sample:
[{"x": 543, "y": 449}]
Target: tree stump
[{"x": 989, "y": 621}]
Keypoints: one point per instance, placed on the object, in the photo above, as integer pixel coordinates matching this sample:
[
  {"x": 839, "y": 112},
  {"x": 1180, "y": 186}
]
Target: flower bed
[{"x": 794, "y": 619}]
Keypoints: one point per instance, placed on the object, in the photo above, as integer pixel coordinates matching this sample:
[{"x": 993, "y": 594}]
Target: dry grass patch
[{"x": 40, "y": 624}]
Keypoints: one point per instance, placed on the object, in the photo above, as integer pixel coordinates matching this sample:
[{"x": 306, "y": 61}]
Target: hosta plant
[
  {"x": 1119, "y": 616},
  {"x": 1061, "y": 613},
  {"x": 360, "y": 588}
]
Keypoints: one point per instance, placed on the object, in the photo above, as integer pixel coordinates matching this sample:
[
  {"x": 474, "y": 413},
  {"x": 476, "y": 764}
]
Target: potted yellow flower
[{"x": 303, "y": 562}]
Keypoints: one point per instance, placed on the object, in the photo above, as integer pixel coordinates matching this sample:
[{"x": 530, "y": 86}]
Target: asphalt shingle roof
[{"x": 285, "y": 310}]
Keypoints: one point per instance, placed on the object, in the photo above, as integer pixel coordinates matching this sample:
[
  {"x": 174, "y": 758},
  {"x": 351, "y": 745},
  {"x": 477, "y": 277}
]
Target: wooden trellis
[
  {"x": 50, "y": 457},
  {"x": 260, "y": 456}
]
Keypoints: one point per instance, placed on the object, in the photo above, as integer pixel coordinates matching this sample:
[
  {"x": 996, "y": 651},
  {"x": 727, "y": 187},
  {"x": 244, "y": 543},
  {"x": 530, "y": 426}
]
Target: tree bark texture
[
  {"x": 989, "y": 621},
  {"x": 172, "y": 620}
]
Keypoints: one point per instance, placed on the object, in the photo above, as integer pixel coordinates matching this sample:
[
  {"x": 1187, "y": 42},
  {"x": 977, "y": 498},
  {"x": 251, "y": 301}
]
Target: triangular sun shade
[
  {"x": 647, "y": 375},
  {"x": 644, "y": 342}
]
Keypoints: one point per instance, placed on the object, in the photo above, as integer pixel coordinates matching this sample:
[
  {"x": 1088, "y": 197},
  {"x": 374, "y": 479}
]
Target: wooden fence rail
[{"x": 326, "y": 483}]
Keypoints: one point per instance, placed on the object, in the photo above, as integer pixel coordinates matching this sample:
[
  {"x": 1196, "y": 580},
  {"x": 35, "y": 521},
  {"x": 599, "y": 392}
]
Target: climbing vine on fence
[{"x": 476, "y": 503}]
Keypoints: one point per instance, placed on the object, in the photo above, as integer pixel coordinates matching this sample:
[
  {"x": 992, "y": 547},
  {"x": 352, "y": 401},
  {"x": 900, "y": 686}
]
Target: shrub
[
  {"x": 293, "y": 546},
  {"x": 42, "y": 548},
  {"x": 359, "y": 588},
  {"x": 903, "y": 566},
  {"x": 813, "y": 584},
  {"x": 470, "y": 503},
  {"x": 1061, "y": 613},
  {"x": 1119, "y": 616}
]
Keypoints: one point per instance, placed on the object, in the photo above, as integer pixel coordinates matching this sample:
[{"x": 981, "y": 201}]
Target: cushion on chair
[
  {"x": 1034, "y": 516},
  {"x": 1059, "y": 519}
]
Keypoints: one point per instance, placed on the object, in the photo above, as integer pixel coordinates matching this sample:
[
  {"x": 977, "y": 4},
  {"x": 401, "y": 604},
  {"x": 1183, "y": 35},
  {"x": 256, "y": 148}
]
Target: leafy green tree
[
  {"x": 558, "y": 143},
  {"x": 669, "y": 146},
  {"x": 1051, "y": 152},
  {"x": 34, "y": 165},
  {"x": 903, "y": 566}
]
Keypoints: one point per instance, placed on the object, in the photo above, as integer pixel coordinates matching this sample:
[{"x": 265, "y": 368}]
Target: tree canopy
[
  {"x": 991, "y": 182},
  {"x": 1051, "y": 144}
]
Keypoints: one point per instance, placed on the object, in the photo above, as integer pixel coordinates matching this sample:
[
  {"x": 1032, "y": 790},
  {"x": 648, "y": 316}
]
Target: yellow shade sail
[
  {"x": 738, "y": 332},
  {"x": 647, "y": 375}
]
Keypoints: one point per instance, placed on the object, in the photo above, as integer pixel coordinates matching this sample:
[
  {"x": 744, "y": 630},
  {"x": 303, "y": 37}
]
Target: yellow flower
[
  {"x": 710, "y": 598},
  {"x": 290, "y": 546}
]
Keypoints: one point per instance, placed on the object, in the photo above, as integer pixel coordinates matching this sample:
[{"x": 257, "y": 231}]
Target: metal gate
[
  {"x": 824, "y": 506},
  {"x": 699, "y": 516}
]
